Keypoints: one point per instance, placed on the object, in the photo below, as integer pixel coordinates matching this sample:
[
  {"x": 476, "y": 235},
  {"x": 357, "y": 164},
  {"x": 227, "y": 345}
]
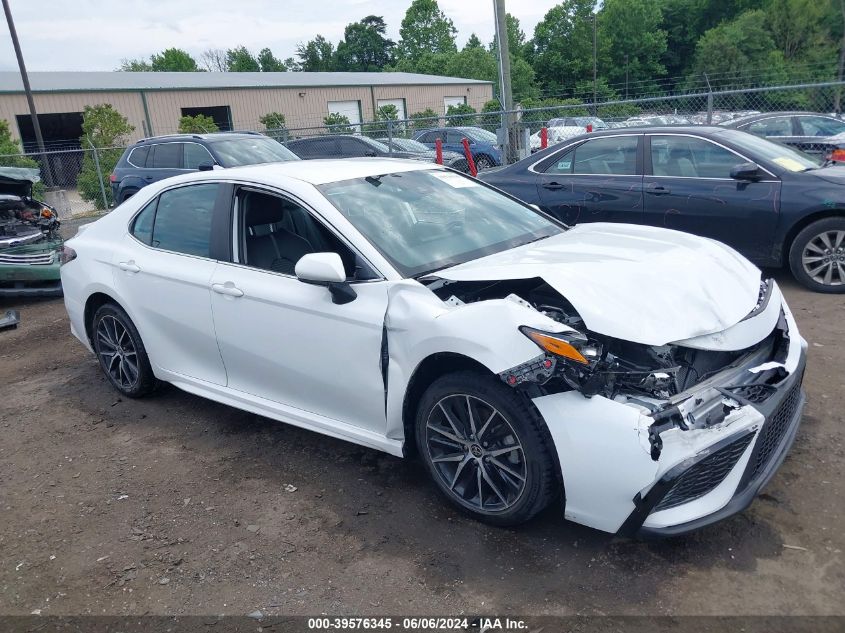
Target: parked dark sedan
[
  {"x": 808, "y": 131},
  {"x": 354, "y": 146},
  {"x": 773, "y": 204},
  {"x": 454, "y": 160}
]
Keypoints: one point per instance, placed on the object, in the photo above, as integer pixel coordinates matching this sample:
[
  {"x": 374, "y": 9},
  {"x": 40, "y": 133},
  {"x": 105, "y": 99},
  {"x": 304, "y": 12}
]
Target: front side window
[
  {"x": 195, "y": 155},
  {"x": 166, "y": 156},
  {"x": 183, "y": 219},
  {"x": 691, "y": 157},
  {"x": 425, "y": 220},
  {"x": 774, "y": 126},
  {"x": 612, "y": 155}
]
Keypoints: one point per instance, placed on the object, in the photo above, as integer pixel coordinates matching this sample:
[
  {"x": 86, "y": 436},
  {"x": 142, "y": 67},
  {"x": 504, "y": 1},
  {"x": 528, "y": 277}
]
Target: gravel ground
[{"x": 177, "y": 505}]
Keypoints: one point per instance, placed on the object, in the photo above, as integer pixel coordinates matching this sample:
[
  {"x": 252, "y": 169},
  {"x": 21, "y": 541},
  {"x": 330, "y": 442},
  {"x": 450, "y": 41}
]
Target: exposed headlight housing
[{"x": 571, "y": 345}]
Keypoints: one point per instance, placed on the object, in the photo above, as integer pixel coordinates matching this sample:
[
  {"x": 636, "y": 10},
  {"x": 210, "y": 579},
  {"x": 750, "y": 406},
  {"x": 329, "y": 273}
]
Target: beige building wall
[{"x": 302, "y": 107}]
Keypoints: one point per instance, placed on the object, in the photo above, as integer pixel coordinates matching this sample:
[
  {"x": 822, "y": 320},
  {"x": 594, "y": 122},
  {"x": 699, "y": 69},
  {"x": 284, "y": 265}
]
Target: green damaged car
[{"x": 30, "y": 243}]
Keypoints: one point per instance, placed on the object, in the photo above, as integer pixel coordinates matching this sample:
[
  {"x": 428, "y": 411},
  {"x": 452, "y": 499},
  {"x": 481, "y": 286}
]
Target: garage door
[
  {"x": 452, "y": 101},
  {"x": 350, "y": 109},
  {"x": 399, "y": 103}
]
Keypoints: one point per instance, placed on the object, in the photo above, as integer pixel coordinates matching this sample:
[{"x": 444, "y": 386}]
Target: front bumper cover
[{"x": 773, "y": 440}]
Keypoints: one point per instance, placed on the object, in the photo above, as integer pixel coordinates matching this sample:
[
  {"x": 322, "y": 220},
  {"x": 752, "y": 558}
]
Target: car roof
[
  {"x": 765, "y": 115},
  {"x": 316, "y": 172},
  {"x": 657, "y": 129},
  {"x": 193, "y": 137}
]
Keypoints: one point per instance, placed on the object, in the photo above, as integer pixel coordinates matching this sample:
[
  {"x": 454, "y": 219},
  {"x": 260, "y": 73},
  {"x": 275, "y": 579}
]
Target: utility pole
[
  {"x": 595, "y": 67},
  {"x": 508, "y": 148},
  {"x": 626, "y": 75},
  {"x": 28, "y": 90}
]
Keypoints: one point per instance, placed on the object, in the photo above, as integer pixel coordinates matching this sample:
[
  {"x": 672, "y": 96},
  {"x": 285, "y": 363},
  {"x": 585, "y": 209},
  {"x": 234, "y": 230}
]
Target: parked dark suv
[{"x": 152, "y": 159}]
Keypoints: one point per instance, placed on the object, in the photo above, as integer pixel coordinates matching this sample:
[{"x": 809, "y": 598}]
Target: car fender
[{"x": 419, "y": 325}]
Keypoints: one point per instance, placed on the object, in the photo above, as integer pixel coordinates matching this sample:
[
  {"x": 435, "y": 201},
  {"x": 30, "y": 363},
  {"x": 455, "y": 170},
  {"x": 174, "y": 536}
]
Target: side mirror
[
  {"x": 326, "y": 269},
  {"x": 206, "y": 166},
  {"x": 745, "y": 171},
  {"x": 370, "y": 152}
]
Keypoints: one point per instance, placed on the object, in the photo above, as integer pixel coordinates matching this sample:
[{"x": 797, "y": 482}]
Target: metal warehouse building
[{"x": 153, "y": 102}]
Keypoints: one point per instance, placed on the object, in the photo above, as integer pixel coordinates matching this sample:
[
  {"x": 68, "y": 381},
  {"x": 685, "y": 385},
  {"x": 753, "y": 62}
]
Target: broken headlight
[{"x": 570, "y": 345}]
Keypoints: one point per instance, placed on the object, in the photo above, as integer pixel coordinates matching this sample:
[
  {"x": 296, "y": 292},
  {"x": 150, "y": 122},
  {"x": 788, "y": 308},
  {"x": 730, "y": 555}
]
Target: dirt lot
[{"x": 177, "y": 505}]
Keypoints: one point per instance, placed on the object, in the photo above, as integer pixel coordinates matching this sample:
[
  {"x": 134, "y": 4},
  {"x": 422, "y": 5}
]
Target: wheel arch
[
  {"x": 803, "y": 223},
  {"x": 93, "y": 303}
]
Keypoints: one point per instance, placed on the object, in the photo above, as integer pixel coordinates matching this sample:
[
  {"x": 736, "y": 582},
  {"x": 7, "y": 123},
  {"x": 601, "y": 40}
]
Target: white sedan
[{"x": 646, "y": 380}]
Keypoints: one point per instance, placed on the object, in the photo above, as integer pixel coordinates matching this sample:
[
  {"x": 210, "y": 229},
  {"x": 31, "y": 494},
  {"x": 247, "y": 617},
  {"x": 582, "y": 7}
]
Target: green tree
[
  {"x": 11, "y": 155},
  {"x": 269, "y": 63},
  {"x": 471, "y": 63},
  {"x": 104, "y": 130},
  {"x": 424, "y": 119},
  {"x": 197, "y": 124},
  {"x": 728, "y": 51},
  {"x": 631, "y": 38},
  {"x": 425, "y": 29},
  {"x": 316, "y": 55},
  {"x": 173, "y": 60},
  {"x": 135, "y": 66},
  {"x": 463, "y": 114},
  {"x": 563, "y": 45},
  {"x": 800, "y": 28},
  {"x": 274, "y": 125},
  {"x": 486, "y": 119},
  {"x": 364, "y": 46},
  {"x": 240, "y": 60},
  {"x": 473, "y": 42},
  {"x": 337, "y": 123},
  {"x": 379, "y": 127}
]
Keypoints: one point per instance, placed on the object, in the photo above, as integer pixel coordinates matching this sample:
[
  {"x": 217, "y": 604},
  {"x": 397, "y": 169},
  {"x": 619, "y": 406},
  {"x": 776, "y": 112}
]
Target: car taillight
[
  {"x": 112, "y": 178},
  {"x": 837, "y": 155},
  {"x": 66, "y": 254}
]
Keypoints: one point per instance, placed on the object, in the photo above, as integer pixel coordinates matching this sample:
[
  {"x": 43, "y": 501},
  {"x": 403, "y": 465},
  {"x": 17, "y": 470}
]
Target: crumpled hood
[{"x": 638, "y": 283}]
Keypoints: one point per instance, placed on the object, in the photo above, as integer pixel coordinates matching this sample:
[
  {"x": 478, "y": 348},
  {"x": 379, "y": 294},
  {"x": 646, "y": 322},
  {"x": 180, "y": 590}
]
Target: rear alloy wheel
[
  {"x": 121, "y": 353},
  {"x": 817, "y": 256},
  {"x": 483, "y": 162},
  {"x": 482, "y": 444}
]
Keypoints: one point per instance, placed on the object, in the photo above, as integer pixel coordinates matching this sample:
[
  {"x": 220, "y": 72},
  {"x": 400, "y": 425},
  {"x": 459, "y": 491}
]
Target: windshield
[
  {"x": 781, "y": 155},
  {"x": 376, "y": 144},
  {"x": 421, "y": 221},
  {"x": 479, "y": 134},
  {"x": 235, "y": 152},
  {"x": 410, "y": 145}
]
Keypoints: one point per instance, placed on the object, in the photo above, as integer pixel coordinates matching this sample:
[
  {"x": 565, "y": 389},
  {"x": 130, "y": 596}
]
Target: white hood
[{"x": 637, "y": 283}]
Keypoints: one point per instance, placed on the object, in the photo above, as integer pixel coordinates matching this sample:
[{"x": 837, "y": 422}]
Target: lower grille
[
  {"x": 704, "y": 476},
  {"x": 775, "y": 428},
  {"x": 755, "y": 394}
]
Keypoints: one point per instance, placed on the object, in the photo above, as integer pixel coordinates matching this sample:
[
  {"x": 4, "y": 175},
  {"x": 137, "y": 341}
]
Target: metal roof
[{"x": 117, "y": 81}]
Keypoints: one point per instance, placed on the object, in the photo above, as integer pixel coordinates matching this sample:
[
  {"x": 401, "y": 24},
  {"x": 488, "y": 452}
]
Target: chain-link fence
[{"x": 76, "y": 179}]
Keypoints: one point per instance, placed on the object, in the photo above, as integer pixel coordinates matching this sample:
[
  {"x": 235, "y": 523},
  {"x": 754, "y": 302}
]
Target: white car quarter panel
[
  {"x": 285, "y": 340},
  {"x": 168, "y": 299}
]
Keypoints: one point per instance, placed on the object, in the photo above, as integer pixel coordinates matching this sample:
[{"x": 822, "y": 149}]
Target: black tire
[
  {"x": 810, "y": 258},
  {"x": 127, "y": 193},
  {"x": 509, "y": 501},
  {"x": 111, "y": 325}
]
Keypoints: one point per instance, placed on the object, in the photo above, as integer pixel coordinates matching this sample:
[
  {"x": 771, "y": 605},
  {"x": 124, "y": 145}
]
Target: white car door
[
  {"x": 163, "y": 270},
  {"x": 287, "y": 341}
]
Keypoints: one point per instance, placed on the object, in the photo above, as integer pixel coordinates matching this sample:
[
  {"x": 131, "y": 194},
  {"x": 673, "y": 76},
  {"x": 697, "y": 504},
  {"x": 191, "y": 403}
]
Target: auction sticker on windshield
[{"x": 455, "y": 180}]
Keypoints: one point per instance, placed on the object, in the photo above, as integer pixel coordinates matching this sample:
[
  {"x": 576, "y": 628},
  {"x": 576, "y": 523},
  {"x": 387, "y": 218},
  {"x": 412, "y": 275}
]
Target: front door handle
[
  {"x": 553, "y": 186},
  {"x": 658, "y": 190},
  {"x": 130, "y": 266},
  {"x": 148, "y": 177},
  {"x": 229, "y": 289}
]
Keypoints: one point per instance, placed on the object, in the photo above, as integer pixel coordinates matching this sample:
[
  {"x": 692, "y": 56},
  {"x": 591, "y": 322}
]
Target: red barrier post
[
  {"x": 472, "y": 168},
  {"x": 438, "y": 151},
  {"x": 544, "y": 137},
  {"x": 589, "y": 127}
]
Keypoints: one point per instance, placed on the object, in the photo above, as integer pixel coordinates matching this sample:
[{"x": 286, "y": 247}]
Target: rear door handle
[
  {"x": 229, "y": 289},
  {"x": 658, "y": 190},
  {"x": 148, "y": 177},
  {"x": 130, "y": 266},
  {"x": 553, "y": 186}
]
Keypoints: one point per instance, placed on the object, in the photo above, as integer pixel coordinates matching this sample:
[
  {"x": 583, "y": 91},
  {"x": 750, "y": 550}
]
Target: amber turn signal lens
[
  {"x": 556, "y": 346},
  {"x": 838, "y": 155}
]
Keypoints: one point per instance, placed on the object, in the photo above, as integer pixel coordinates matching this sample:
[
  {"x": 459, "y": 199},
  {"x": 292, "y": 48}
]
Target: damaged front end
[{"x": 29, "y": 238}]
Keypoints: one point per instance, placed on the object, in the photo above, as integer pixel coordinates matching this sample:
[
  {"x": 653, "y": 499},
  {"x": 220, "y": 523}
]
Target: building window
[{"x": 222, "y": 115}]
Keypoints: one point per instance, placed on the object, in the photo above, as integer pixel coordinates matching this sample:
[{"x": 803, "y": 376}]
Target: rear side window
[
  {"x": 142, "y": 226},
  {"x": 613, "y": 155},
  {"x": 138, "y": 156},
  {"x": 179, "y": 220},
  {"x": 820, "y": 126},
  {"x": 773, "y": 126},
  {"x": 166, "y": 156}
]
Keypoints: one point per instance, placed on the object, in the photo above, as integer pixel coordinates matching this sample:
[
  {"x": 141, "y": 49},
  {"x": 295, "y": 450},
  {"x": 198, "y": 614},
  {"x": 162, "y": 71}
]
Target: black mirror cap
[
  {"x": 745, "y": 171},
  {"x": 206, "y": 166}
]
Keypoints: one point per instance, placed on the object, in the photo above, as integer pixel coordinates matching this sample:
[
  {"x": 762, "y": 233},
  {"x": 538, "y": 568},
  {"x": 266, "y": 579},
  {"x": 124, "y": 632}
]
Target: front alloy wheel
[
  {"x": 485, "y": 447},
  {"x": 817, "y": 255}
]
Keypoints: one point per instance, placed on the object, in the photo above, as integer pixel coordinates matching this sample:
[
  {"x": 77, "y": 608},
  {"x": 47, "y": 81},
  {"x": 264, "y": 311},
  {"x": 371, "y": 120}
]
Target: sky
[{"x": 98, "y": 34}]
